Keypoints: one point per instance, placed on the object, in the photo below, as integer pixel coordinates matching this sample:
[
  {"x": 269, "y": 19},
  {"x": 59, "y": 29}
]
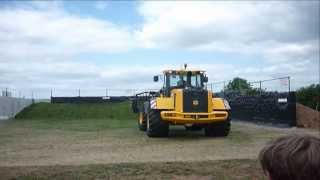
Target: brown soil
[
  {"x": 201, "y": 170},
  {"x": 31, "y": 153},
  {"x": 307, "y": 117},
  {"x": 30, "y": 147}
]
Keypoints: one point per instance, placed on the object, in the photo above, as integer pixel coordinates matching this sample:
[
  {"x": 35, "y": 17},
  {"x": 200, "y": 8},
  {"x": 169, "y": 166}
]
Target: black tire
[
  {"x": 155, "y": 126},
  {"x": 194, "y": 128},
  {"x": 218, "y": 129},
  {"x": 143, "y": 126}
]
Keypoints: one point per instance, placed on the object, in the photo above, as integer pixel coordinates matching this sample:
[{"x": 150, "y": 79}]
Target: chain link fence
[
  {"x": 13, "y": 100},
  {"x": 46, "y": 94},
  {"x": 281, "y": 84}
]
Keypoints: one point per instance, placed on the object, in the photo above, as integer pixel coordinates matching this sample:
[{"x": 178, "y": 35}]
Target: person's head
[{"x": 294, "y": 157}]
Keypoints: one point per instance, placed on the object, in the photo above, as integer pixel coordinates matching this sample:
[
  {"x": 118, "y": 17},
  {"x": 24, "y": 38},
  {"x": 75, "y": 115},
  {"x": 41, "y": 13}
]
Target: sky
[{"x": 120, "y": 45}]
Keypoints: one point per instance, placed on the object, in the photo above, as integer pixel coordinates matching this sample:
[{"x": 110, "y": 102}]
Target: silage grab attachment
[{"x": 137, "y": 102}]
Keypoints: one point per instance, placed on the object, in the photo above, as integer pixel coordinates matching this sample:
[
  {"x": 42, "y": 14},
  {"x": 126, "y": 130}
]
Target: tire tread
[{"x": 157, "y": 127}]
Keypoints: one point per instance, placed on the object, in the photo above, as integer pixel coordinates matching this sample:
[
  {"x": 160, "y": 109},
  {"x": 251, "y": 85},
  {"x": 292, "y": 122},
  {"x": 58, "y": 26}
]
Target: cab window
[
  {"x": 174, "y": 80},
  {"x": 196, "y": 80}
]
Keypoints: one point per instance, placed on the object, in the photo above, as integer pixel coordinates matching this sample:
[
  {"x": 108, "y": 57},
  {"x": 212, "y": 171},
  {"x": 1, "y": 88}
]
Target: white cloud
[
  {"x": 283, "y": 36},
  {"x": 41, "y": 33},
  {"x": 272, "y": 30},
  {"x": 39, "y": 46}
]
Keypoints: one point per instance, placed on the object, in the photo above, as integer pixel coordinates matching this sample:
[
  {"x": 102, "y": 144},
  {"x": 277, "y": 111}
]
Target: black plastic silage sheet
[
  {"x": 90, "y": 99},
  {"x": 271, "y": 107}
]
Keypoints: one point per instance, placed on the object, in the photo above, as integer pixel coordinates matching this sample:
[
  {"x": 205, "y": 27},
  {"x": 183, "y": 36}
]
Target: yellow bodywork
[
  {"x": 171, "y": 110},
  {"x": 217, "y": 104},
  {"x": 165, "y": 103}
]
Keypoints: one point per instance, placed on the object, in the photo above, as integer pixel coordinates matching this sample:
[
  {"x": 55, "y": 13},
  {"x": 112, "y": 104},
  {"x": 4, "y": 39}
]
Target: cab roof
[{"x": 182, "y": 71}]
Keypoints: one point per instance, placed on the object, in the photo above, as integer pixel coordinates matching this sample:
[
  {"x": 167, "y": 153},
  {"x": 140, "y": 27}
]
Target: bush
[{"x": 309, "y": 96}]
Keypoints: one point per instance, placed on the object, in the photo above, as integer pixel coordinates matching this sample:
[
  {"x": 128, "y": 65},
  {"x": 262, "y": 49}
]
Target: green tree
[
  {"x": 243, "y": 86},
  {"x": 309, "y": 96},
  {"x": 238, "y": 84}
]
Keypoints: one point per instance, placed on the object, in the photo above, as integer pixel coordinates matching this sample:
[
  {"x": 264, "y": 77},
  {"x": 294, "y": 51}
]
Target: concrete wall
[{"x": 10, "y": 106}]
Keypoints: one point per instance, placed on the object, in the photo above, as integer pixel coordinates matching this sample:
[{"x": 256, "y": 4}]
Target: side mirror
[
  {"x": 155, "y": 78},
  {"x": 205, "y": 79}
]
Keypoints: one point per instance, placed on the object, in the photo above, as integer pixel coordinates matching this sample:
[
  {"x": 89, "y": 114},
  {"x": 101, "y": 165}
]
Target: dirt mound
[{"x": 307, "y": 117}]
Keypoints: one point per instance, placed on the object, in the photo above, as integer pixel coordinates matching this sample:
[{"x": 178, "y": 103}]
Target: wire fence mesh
[
  {"x": 281, "y": 84},
  {"x": 74, "y": 92}
]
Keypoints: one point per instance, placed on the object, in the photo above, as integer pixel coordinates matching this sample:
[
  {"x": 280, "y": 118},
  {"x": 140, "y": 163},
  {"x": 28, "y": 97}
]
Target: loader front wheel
[
  {"x": 155, "y": 126},
  {"x": 218, "y": 129}
]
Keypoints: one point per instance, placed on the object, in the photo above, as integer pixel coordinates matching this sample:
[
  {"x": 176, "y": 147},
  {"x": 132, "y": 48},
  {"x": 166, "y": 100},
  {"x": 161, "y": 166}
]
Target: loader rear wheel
[
  {"x": 155, "y": 126},
  {"x": 218, "y": 129},
  {"x": 142, "y": 122}
]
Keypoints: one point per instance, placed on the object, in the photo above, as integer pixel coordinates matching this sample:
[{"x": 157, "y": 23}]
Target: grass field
[
  {"x": 81, "y": 117},
  {"x": 101, "y": 141}
]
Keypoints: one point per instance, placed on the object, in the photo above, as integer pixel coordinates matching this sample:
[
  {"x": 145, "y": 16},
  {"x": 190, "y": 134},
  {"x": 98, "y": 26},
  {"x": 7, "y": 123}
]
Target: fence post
[
  {"x": 32, "y": 97},
  {"x": 224, "y": 89},
  {"x": 289, "y": 83},
  {"x": 260, "y": 87}
]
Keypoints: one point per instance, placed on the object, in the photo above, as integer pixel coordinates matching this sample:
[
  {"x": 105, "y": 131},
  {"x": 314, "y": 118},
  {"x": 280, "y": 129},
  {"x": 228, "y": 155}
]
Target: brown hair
[{"x": 294, "y": 157}]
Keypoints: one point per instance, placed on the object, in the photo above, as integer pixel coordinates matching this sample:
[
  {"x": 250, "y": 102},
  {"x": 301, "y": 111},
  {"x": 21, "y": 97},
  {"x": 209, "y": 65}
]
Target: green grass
[
  {"x": 120, "y": 110},
  {"x": 82, "y": 117}
]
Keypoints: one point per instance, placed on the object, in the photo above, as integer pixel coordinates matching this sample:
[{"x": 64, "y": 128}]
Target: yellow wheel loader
[{"x": 183, "y": 100}]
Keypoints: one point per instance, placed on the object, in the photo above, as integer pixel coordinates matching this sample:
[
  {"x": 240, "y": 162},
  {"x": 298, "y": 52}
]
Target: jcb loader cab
[{"x": 183, "y": 100}]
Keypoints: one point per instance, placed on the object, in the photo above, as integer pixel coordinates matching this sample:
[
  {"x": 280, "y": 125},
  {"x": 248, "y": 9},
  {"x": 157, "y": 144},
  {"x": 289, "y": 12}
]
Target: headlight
[{"x": 226, "y": 104}]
